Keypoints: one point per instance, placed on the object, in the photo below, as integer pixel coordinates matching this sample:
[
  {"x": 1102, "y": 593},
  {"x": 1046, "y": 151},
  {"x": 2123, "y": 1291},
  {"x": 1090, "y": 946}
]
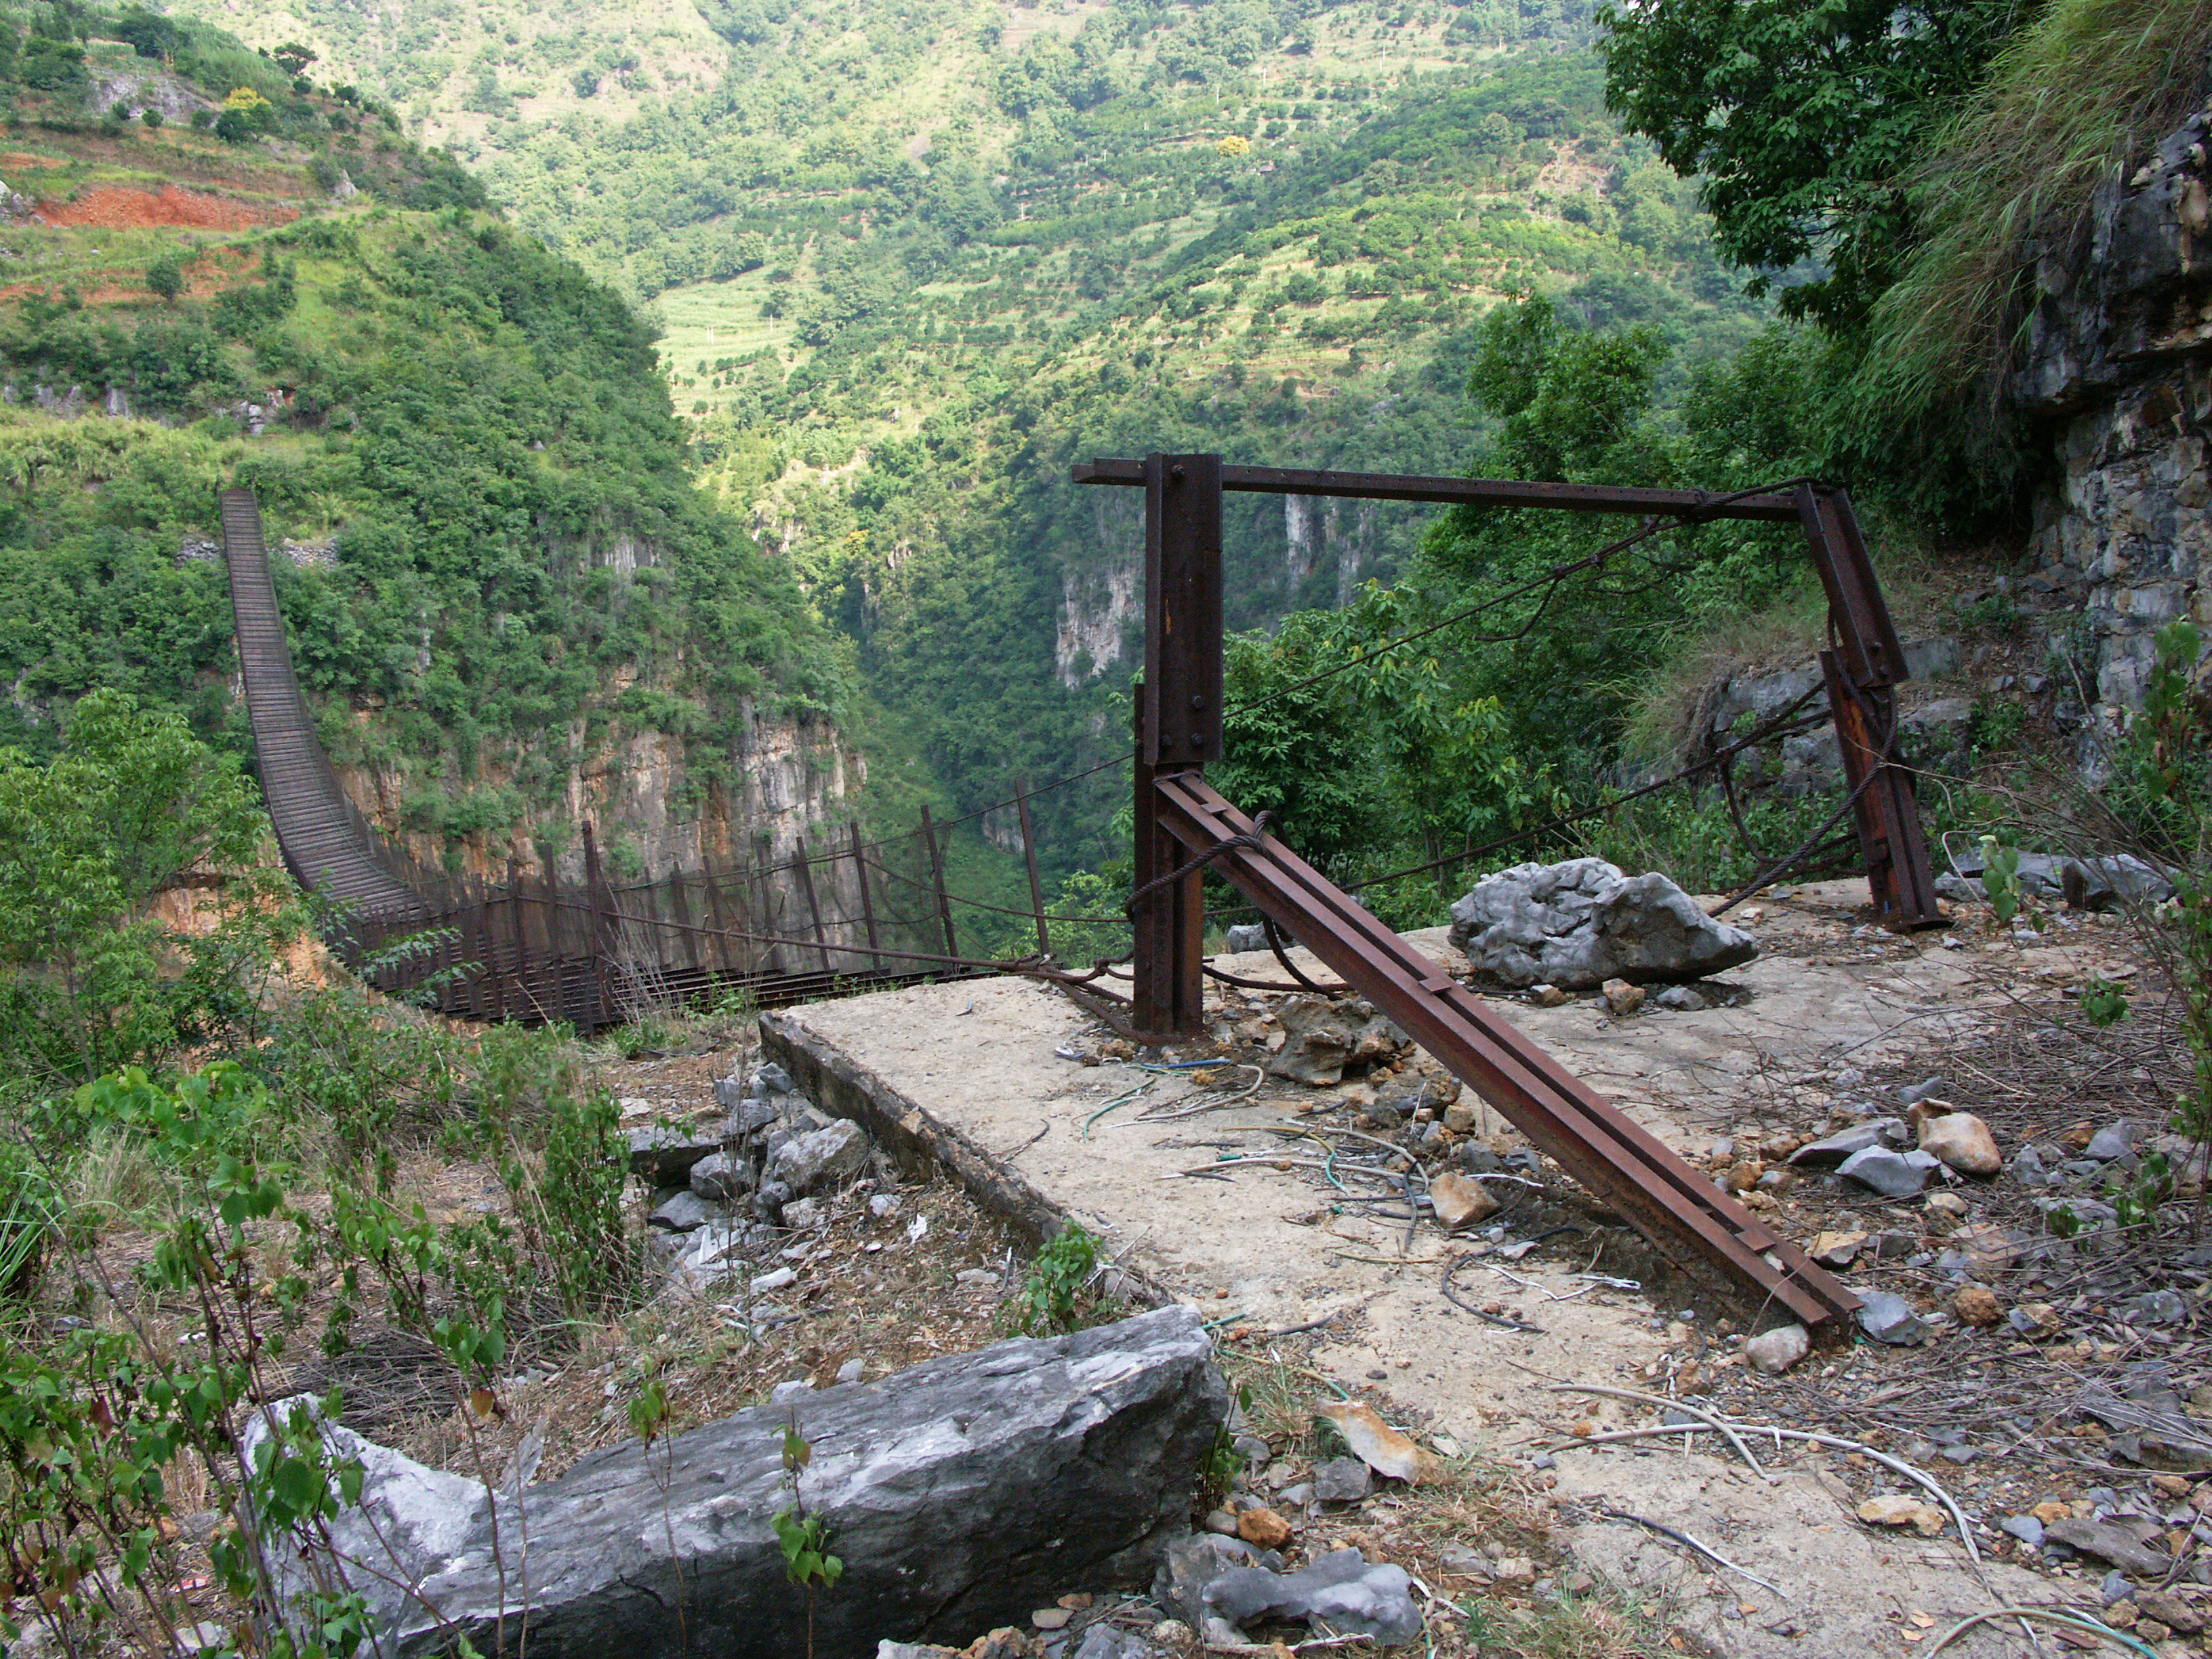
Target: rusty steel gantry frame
[{"x": 1179, "y": 729}]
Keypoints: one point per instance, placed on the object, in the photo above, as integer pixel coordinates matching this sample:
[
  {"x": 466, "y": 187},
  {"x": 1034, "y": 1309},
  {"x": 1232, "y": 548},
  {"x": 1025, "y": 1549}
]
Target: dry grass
[{"x": 2075, "y": 99}]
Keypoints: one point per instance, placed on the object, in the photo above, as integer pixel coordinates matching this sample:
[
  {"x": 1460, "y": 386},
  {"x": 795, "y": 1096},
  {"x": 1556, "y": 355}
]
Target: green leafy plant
[
  {"x": 804, "y": 1538},
  {"x": 2001, "y": 883},
  {"x": 1051, "y": 1290}
]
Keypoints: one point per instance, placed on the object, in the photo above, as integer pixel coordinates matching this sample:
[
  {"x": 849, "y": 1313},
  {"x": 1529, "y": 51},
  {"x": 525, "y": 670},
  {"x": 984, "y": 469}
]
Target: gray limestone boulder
[
  {"x": 961, "y": 1494},
  {"x": 1578, "y": 924}
]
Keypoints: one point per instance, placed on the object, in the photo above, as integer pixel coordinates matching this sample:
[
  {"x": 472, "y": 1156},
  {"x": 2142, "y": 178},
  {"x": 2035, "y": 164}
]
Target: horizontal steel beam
[
  {"x": 1769, "y": 508},
  {"x": 1675, "y": 1206}
]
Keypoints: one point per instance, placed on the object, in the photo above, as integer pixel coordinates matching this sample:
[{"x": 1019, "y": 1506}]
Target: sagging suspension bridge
[{"x": 603, "y": 953}]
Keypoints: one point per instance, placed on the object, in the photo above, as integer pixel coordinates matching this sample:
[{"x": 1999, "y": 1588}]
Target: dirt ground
[{"x": 1834, "y": 1010}]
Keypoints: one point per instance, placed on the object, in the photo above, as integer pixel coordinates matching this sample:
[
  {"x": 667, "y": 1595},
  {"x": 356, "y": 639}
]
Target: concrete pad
[{"x": 966, "y": 1073}]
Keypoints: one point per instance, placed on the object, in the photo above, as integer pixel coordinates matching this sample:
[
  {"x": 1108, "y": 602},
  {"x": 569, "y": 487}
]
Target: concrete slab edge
[{"x": 917, "y": 1142}]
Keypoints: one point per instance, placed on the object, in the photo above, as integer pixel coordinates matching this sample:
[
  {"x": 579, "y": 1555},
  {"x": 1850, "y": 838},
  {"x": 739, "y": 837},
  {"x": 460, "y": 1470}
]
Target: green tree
[
  {"x": 132, "y": 802},
  {"x": 166, "y": 276},
  {"x": 1802, "y": 121}
]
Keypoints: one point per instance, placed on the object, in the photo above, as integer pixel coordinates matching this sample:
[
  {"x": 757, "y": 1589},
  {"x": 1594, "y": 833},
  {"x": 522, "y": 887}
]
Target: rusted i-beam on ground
[{"x": 1676, "y": 1207}]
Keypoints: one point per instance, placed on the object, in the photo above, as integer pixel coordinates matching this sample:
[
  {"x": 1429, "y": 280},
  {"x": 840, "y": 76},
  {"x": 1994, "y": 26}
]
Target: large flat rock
[{"x": 960, "y": 1494}]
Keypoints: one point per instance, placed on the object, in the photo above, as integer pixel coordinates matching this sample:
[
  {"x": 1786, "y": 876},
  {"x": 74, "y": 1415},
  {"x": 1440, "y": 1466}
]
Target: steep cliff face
[
  {"x": 2119, "y": 357},
  {"x": 655, "y": 805}
]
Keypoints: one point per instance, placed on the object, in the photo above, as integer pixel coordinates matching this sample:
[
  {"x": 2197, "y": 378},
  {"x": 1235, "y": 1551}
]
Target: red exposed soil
[
  {"x": 17, "y": 158},
  {"x": 118, "y": 209}
]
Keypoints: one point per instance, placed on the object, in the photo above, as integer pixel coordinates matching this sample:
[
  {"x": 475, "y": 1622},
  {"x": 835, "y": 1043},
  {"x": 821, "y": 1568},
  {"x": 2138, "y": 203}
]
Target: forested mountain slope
[
  {"x": 911, "y": 259},
  {"x": 511, "y": 603}
]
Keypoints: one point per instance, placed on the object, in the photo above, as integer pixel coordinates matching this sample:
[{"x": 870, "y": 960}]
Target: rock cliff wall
[{"x": 2118, "y": 358}]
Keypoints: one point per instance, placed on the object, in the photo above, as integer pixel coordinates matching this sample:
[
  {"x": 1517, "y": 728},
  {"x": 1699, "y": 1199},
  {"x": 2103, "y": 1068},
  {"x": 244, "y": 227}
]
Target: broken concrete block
[
  {"x": 962, "y": 1494},
  {"x": 1578, "y": 924}
]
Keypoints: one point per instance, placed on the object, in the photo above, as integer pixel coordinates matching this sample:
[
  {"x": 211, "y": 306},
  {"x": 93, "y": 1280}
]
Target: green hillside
[
  {"x": 502, "y": 565},
  {"x": 910, "y": 260}
]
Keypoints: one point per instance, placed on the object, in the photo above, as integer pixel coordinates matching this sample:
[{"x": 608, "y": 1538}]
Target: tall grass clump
[{"x": 2074, "y": 101}]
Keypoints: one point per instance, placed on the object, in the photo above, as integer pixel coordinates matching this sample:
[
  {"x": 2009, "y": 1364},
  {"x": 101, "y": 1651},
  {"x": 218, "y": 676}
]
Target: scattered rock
[
  {"x": 664, "y": 1156},
  {"x": 2108, "y": 1542},
  {"x": 1264, "y": 1529},
  {"x": 1894, "y": 1175},
  {"x": 682, "y": 1213},
  {"x": 1897, "y": 1510},
  {"x": 1459, "y": 1200},
  {"x": 1549, "y": 996},
  {"x": 1962, "y": 1140},
  {"x": 1976, "y": 1305},
  {"x": 804, "y": 1215},
  {"x": 1946, "y": 1207},
  {"x": 1461, "y": 1117},
  {"x": 2027, "y": 1169},
  {"x": 1888, "y": 1318},
  {"x": 1621, "y": 998},
  {"x": 2169, "y": 1610},
  {"x": 1912, "y": 1094},
  {"x": 883, "y": 1206},
  {"x": 2034, "y": 1319},
  {"x": 1374, "y": 1441},
  {"x": 1830, "y": 1150},
  {"x": 1321, "y": 1038},
  {"x": 1838, "y": 1250},
  {"x": 809, "y": 1163},
  {"x": 1576, "y": 925},
  {"x": 718, "y": 1178},
  {"x": 1775, "y": 1350},
  {"x": 1342, "y": 1481},
  {"x": 2025, "y": 1528},
  {"x": 2113, "y": 1140},
  {"x": 1093, "y": 1439},
  {"x": 2155, "y": 1308},
  {"x": 1340, "y": 1591}
]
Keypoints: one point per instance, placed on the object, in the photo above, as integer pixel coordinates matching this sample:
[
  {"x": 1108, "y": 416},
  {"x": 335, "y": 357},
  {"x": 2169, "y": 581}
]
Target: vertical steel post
[
  {"x": 813, "y": 909},
  {"x": 1178, "y": 728},
  {"x": 1862, "y": 671},
  {"x": 936, "y": 875},
  {"x": 868, "y": 904},
  {"x": 1029, "y": 857},
  {"x": 599, "y": 933}
]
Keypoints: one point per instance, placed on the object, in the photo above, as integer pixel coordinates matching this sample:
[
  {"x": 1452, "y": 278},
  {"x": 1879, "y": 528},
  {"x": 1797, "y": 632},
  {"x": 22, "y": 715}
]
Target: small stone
[
  {"x": 2169, "y": 1610},
  {"x": 1051, "y": 1618},
  {"x": 1222, "y": 1522},
  {"x": 684, "y": 1212},
  {"x": 1263, "y": 1527},
  {"x": 2108, "y": 1542},
  {"x": 1896, "y": 1509},
  {"x": 775, "y": 1281},
  {"x": 2025, "y": 1528},
  {"x": 2034, "y": 1319},
  {"x": 1830, "y": 1150},
  {"x": 1342, "y": 1481},
  {"x": 718, "y": 1178},
  {"x": 1976, "y": 1305},
  {"x": 1838, "y": 1250},
  {"x": 850, "y": 1369},
  {"x": 784, "y": 1393},
  {"x": 2113, "y": 1140},
  {"x": 1947, "y": 1204},
  {"x": 1963, "y": 1141},
  {"x": 1461, "y": 1117},
  {"x": 1775, "y": 1350},
  {"x": 2051, "y": 1509},
  {"x": 1888, "y": 1318},
  {"x": 1459, "y": 1199},
  {"x": 1894, "y": 1175},
  {"x": 1743, "y": 1177},
  {"x": 2027, "y": 1169},
  {"x": 884, "y": 1205},
  {"x": 1170, "y": 1636},
  {"x": 1622, "y": 998},
  {"x": 804, "y": 1215},
  {"x": 1679, "y": 999},
  {"x": 1548, "y": 996}
]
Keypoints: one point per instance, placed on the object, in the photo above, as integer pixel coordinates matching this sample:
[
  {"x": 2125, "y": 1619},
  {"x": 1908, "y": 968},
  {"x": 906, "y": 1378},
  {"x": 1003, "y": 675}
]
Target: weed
[
  {"x": 1047, "y": 1300},
  {"x": 804, "y": 1538}
]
